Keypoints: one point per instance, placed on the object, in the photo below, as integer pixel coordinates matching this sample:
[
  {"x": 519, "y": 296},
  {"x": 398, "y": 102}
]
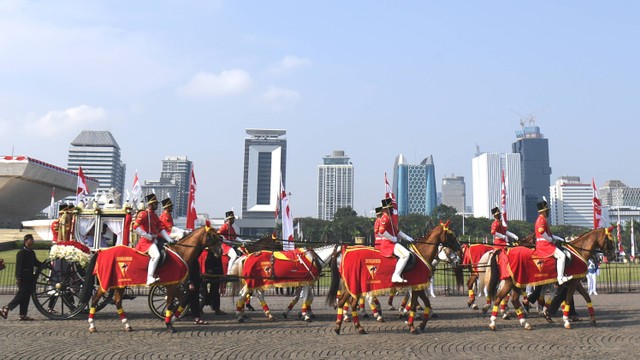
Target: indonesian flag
[
  {"x": 620, "y": 247},
  {"x": 191, "y": 205},
  {"x": 633, "y": 242},
  {"x": 597, "y": 206},
  {"x": 136, "y": 189},
  {"x": 503, "y": 199},
  {"x": 390, "y": 195},
  {"x": 52, "y": 208},
  {"x": 82, "y": 188},
  {"x": 287, "y": 220}
]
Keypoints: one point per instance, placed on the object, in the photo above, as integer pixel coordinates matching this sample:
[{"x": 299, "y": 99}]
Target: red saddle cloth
[
  {"x": 526, "y": 267},
  {"x": 365, "y": 270},
  {"x": 474, "y": 253},
  {"x": 122, "y": 266},
  {"x": 264, "y": 269}
]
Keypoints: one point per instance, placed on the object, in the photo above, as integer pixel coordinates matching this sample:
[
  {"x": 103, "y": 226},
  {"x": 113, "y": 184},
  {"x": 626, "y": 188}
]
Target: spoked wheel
[
  {"x": 57, "y": 289},
  {"x": 158, "y": 299}
]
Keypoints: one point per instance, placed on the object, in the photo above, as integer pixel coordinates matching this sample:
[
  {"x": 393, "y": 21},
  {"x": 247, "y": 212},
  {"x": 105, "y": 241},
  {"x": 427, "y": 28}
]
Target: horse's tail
[
  {"x": 459, "y": 272},
  {"x": 495, "y": 275},
  {"x": 335, "y": 280},
  {"x": 89, "y": 280}
]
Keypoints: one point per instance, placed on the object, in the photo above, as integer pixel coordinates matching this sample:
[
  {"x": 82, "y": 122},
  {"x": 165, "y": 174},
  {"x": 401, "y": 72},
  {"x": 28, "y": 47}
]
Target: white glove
[
  {"x": 512, "y": 235},
  {"x": 405, "y": 237},
  {"x": 166, "y": 236},
  {"x": 388, "y": 236},
  {"x": 501, "y": 236},
  {"x": 558, "y": 238},
  {"x": 143, "y": 233},
  {"x": 547, "y": 237}
]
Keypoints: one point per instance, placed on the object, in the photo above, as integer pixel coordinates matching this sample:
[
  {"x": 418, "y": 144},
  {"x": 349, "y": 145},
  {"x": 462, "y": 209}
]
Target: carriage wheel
[
  {"x": 158, "y": 299},
  {"x": 57, "y": 289},
  {"x": 106, "y": 299}
]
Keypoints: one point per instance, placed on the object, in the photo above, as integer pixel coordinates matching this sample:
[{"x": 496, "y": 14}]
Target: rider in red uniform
[
  {"x": 228, "y": 232},
  {"x": 149, "y": 227},
  {"x": 499, "y": 231},
  {"x": 545, "y": 242},
  {"x": 377, "y": 236},
  {"x": 389, "y": 245}
]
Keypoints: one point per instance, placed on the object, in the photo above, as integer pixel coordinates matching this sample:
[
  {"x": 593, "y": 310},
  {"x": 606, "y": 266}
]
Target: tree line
[{"x": 347, "y": 225}]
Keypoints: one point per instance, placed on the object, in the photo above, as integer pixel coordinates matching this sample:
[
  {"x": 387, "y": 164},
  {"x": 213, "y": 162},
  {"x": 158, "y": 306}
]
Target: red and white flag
[
  {"x": 390, "y": 195},
  {"x": 52, "y": 209},
  {"x": 503, "y": 199},
  {"x": 633, "y": 242},
  {"x": 287, "y": 220},
  {"x": 597, "y": 207},
  {"x": 191, "y": 204},
  {"x": 136, "y": 189},
  {"x": 82, "y": 188},
  {"x": 620, "y": 247}
]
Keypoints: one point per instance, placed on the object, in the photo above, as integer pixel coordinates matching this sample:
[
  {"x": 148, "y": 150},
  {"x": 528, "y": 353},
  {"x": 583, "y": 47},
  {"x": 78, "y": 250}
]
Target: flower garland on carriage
[{"x": 71, "y": 251}]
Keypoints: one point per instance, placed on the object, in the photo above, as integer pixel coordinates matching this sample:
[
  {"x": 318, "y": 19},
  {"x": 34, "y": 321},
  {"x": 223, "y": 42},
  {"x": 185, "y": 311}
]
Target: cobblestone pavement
[{"x": 456, "y": 333}]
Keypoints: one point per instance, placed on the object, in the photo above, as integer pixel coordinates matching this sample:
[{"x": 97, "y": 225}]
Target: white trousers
[
  {"x": 561, "y": 258},
  {"x": 154, "y": 255},
  {"x": 591, "y": 283}
]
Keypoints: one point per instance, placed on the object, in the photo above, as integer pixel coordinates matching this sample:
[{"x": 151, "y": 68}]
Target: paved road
[{"x": 457, "y": 333}]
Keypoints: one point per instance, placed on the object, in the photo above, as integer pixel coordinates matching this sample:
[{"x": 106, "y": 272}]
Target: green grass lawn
[{"x": 7, "y": 276}]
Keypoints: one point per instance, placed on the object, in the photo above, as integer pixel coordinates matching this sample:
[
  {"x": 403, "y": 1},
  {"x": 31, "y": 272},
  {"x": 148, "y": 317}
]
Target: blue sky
[{"x": 373, "y": 78}]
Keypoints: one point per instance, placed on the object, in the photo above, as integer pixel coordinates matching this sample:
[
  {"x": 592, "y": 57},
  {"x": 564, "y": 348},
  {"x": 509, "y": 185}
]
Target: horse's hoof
[
  {"x": 506, "y": 316},
  {"x": 547, "y": 317},
  {"x": 593, "y": 322},
  {"x": 362, "y": 331},
  {"x": 527, "y": 326},
  {"x": 271, "y": 318},
  {"x": 485, "y": 309},
  {"x": 433, "y": 316},
  {"x": 380, "y": 319},
  {"x": 308, "y": 319},
  {"x": 336, "y": 330},
  {"x": 250, "y": 308},
  {"x": 422, "y": 327},
  {"x": 365, "y": 316},
  {"x": 347, "y": 320},
  {"x": 241, "y": 319},
  {"x": 171, "y": 329},
  {"x": 92, "y": 330},
  {"x": 567, "y": 325},
  {"x": 475, "y": 307},
  {"x": 413, "y": 331},
  {"x": 492, "y": 327},
  {"x": 128, "y": 329},
  {"x": 284, "y": 315}
]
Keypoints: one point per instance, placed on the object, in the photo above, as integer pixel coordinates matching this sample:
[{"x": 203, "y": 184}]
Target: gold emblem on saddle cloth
[
  {"x": 539, "y": 264},
  {"x": 372, "y": 266},
  {"x": 123, "y": 264},
  {"x": 267, "y": 268}
]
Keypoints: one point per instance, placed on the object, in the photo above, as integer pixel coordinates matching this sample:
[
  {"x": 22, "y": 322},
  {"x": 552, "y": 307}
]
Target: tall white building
[
  {"x": 99, "y": 155},
  {"x": 454, "y": 192},
  {"x": 486, "y": 177},
  {"x": 335, "y": 184},
  {"x": 571, "y": 202},
  {"x": 174, "y": 181},
  {"x": 265, "y": 163}
]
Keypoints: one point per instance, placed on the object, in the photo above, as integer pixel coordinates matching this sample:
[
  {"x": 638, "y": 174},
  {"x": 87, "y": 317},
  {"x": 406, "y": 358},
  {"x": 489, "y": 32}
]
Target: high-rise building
[
  {"x": 335, "y": 184},
  {"x": 487, "y": 184},
  {"x": 614, "y": 193},
  {"x": 571, "y": 202},
  {"x": 265, "y": 163},
  {"x": 415, "y": 186},
  {"x": 173, "y": 182},
  {"x": 454, "y": 192},
  {"x": 536, "y": 172},
  {"x": 99, "y": 155}
]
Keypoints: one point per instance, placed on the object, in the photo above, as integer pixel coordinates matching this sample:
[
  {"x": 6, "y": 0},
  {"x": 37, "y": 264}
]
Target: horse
[
  {"x": 364, "y": 270},
  {"x": 479, "y": 269},
  {"x": 262, "y": 270},
  {"x": 107, "y": 265},
  {"x": 581, "y": 249}
]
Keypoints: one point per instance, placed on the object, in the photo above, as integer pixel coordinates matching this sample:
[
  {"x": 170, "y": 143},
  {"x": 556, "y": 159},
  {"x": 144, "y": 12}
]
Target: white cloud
[
  {"x": 71, "y": 120},
  {"x": 290, "y": 62},
  {"x": 208, "y": 85},
  {"x": 279, "y": 98}
]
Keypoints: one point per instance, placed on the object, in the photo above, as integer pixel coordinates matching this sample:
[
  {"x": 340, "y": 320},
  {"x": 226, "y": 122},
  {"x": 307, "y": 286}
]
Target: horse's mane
[{"x": 583, "y": 234}]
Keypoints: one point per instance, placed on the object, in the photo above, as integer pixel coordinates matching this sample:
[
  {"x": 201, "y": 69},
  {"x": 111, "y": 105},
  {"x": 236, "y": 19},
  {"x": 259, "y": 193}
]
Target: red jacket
[
  {"x": 497, "y": 227},
  {"x": 167, "y": 221},
  {"x": 543, "y": 247},
  {"x": 386, "y": 245},
  {"x": 149, "y": 222},
  {"x": 228, "y": 233}
]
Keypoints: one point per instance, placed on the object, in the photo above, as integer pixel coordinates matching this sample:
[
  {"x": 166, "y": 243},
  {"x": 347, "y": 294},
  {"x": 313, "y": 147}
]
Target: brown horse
[
  {"x": 585, "y": 245},
  {"x": 188, "y": 249},
  {"x": 426, "y": 248}
]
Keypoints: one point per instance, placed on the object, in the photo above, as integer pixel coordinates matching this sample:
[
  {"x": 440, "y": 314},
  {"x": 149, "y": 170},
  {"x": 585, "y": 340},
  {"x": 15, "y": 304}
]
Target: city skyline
[{"x": 373, "y": 79}]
